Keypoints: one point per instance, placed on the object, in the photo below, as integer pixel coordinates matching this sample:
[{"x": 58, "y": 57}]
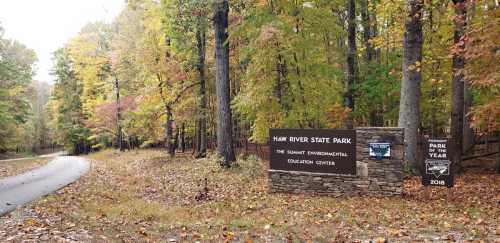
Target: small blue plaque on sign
[{"x": 380, "y": 150}]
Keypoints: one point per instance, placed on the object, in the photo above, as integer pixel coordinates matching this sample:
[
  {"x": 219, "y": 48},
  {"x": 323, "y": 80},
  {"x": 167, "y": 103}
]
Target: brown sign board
[
  {"x": 438, "y": 168},
  {"x": 313, "y": 150}
]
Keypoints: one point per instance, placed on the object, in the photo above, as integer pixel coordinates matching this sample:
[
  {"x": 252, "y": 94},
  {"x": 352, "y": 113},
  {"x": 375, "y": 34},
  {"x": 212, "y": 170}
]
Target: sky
[{"x": 46, "y": 25}]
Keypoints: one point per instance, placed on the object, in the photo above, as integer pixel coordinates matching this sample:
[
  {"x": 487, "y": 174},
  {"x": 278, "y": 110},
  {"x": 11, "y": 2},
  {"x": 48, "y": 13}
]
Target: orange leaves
[{"x": 481, "y": 69}]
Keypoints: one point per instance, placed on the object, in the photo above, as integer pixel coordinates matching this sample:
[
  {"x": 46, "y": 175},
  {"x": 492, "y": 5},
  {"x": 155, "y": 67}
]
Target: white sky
[{"x": 45, "y": 25}]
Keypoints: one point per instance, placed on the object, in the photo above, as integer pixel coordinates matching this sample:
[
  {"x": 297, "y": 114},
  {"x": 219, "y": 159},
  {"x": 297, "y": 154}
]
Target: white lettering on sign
[
  {"x": 312, "y": 139},
  {"x": 333, "y": 154},
  {"x": 299, "y": 139},
  {"x": 437, "y": 145},
  {"x": 437, "y": 155},
  {"x": 325, "y": 162},
  {"x": 320, "y": 140},
  {"x": 279, "y": 139},
  {"x": 437, "y": 182},
  {"x": 300, "y": 161},
  {"x": 295, "y": 152},
  {"x": 342, "y": 140}
]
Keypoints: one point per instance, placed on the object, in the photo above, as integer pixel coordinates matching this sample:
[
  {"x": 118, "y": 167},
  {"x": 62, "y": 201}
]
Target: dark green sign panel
[{"x": 313, "y": 150}]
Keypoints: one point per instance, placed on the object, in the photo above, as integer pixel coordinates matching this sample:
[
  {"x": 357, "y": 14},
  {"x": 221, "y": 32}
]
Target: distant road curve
[{"x": 18, "y": 190}]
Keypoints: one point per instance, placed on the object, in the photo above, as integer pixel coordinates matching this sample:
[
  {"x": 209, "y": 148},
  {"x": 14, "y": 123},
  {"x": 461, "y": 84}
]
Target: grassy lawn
[
  {"x": 10, "y": 168},
  {"x": 145, "y": 196}
]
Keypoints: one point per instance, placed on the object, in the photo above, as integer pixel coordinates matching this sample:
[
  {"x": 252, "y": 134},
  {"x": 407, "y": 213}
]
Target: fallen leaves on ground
[
  {"x": 16, "y": 167},
  {"x": 146, "y": 196}
]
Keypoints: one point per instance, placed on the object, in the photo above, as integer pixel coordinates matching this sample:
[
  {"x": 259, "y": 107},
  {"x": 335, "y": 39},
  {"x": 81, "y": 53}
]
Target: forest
[
  {"x": 154, "y": 76},
  {"x": 167, "y": 112}
]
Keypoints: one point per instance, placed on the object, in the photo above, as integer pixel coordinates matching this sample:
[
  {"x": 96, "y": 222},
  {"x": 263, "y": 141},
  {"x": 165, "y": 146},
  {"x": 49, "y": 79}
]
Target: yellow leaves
[
  {"x": 30, "y": 222},
  {"x": 228, "y": 236},
  {"x": 15, "y": 91},
  {"x": 436, "y": 81},
  {"x": 262, "y": 3},
  {"x": 415, "y": 67},
  {"x": 397, "y": 232}
]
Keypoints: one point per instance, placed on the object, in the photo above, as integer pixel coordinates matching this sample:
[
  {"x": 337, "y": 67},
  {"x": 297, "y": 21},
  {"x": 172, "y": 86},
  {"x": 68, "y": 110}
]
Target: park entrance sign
[
  {"x": 437, "y": 165},
  {"x": 368, "y": 160},
  {"x": 313, "y": 150}
]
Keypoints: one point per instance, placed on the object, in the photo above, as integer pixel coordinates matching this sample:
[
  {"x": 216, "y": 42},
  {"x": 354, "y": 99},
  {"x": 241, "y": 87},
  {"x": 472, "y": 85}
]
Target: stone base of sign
[{"x": 373, "y": 177}]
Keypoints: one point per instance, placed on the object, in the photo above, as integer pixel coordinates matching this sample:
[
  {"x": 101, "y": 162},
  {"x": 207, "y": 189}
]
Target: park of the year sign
[
  {"x": 438, "y": 169},
  {"x": 313, "y": 150}
]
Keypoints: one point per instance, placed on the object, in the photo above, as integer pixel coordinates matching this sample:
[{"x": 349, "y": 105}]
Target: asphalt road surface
[{"x": 18, "y": 190}]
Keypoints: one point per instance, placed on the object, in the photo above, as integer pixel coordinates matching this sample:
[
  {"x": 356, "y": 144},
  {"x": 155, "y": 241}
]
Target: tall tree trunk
[
  {"x": 278, "y": 87},
  {"x": 202, "y": 109},
  {"x": 369, "y": 22},
  {"x": 409, "y": 108},
  {"x": 196, "y": 138},
  {"x": 169, "y": 132},
  {"x": 468, "y": 132},
  {"x": 498, "y": 152},
  {"x": 367, "y": 31},
  {"x": 457, "y": 86},
  {"x": 469, "y": 136},
  {"x": 175, "y": 142},
  {"x": 224, "y": 130},
  {"x": 434, "y": 69},
  {"x": 374, "y": 28},
  {"x": 119, "y": 134},
  {"x": 352, "y": 60},
  {"x": 183, "y": 137}
]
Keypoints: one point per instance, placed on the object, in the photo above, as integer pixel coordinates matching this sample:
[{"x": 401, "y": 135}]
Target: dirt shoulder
[
  {"x": 144, "y": 195},
  {"x": 19, "y": 166}
]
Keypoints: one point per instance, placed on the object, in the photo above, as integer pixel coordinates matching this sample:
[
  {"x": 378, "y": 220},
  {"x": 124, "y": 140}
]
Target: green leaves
[{"x": 16, "y": 70}]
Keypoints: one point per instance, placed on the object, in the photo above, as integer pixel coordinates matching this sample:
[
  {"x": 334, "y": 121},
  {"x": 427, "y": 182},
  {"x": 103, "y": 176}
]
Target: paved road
[{"x": 24, "y": 188}]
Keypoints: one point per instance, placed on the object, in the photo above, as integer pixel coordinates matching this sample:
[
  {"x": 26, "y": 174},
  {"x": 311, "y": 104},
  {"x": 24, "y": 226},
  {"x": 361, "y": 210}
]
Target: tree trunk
[
  {"x": 369, "y": 22},
  {"x": 374, "y": 28},
  {"x": 498, "y": 152},
  {"x": 434, "y": 69},
  {"x": 468, "y": 132},
  {"x": 457, "y": 86},
  {"x": 224, "y": 130},
  {"x": 409, "y": 108},
  {"x": 183, "y": 138},
  {"x": 202, "y": 108},
  {"x": 367, "y": 31},
  {"x": 352, "y": 60},
  {"x": 278, "y": 87},
  {"x": 469, "y": 136},
  {"x": 169, "y": 132},
  {"x": 119, "y": 134}
]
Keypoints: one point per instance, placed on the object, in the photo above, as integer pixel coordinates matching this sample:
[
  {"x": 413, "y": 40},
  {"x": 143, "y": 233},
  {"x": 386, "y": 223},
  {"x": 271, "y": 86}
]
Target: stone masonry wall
[{"x": 374, "y": 177}]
